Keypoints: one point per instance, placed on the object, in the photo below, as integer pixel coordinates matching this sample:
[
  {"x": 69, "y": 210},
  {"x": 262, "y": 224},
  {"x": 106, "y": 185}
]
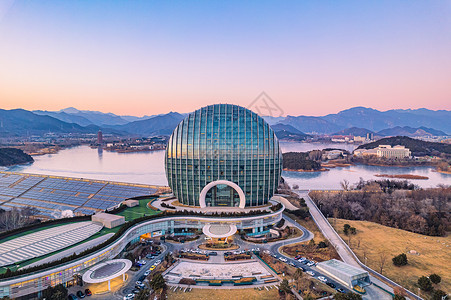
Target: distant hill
[
  {"x": 65, "y": 117},
  {"x": 288, "y": 132},
  {"x": 411, "y": 132},
  {"x": 13, "y": 156},
  {"x": 96, "y": 117},
  {"x": 22, "y": 122},
  {"x": 371, "y": 119},
  {"x": 417, "y": 147},
  {"x": 354, "y": 131},
  {"x": 159, "y": 125},
  {"x": 310, "y": 124}
]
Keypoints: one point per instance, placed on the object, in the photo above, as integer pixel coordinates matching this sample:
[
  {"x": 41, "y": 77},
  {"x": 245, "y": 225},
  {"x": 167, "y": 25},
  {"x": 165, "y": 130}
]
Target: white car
[
  {"x": 282, "y": 259},
  {"x": 158, "y": 262},
  {"x": 310, "y": 273},
  {"x": 310, "y": 264},
  {"x": 292, "y": 264},
  {"x": 129, "y": 297},
  {"x": 302, "y": 259},
  {"x": 147, "y": 273},
  {"x": 322, "y": 279}
]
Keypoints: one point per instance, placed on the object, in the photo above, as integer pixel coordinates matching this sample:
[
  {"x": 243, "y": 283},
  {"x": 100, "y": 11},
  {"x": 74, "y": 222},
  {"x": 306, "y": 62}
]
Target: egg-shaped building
[{"x": 223, "y": 155}]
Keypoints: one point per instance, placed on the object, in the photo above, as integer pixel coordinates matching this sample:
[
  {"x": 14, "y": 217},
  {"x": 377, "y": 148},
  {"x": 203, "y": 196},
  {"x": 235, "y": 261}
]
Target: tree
[
  {"x": 284, "y": 287},
  {"x": 435, "y": 278},
  {"x": 344, "y": 184},
  {"x": 348, "y": 296},
  {"x": 157, "y": 282},
  {"x": 398, "y": 297},
  {"x": 425, "y": 284},
  {"x": 400, "y": 260},
  {"x": 382, "y": 261},
  {"x": 143, "y": 295},
  {"x": 346, "y": 228},
  {"x": 322, "y": 244},
  {"x": 297, "y": 277}
]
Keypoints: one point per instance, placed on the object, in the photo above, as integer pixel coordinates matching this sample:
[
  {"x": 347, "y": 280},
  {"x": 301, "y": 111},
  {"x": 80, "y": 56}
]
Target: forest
[
  {"x": 397, "y": 205},
  {"x": 300, "y": 161}
]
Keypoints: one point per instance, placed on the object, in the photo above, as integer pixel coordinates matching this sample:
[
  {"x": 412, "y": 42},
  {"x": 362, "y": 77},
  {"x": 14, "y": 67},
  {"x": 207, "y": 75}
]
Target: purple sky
[{"x": 150, "y": 57}]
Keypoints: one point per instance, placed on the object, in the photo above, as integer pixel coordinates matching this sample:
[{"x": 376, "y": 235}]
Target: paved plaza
[{"x": 229, "y": 270}]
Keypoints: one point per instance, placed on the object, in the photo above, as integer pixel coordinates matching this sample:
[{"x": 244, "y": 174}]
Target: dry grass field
[
  {"x": 434, "y": 253},
  {"x": 224, "y": 294}
]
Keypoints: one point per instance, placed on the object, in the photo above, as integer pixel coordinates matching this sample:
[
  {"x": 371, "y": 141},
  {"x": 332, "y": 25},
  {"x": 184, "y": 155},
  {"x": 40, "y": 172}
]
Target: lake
[{"x": 148, "y": 167}]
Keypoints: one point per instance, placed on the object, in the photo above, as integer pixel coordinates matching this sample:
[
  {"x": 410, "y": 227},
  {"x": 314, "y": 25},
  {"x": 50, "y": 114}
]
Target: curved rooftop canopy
[
  {"x": 219, "y": 231},
  {"x": 107, "y": 270}
]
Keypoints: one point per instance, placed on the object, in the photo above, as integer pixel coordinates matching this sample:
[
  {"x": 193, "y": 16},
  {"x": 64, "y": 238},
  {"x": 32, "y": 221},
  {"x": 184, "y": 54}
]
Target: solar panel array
[{"x": 51, "y": 194}]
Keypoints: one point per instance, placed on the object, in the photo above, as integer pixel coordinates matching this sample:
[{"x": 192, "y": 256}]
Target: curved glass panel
[{"x": 223, "y": 142}]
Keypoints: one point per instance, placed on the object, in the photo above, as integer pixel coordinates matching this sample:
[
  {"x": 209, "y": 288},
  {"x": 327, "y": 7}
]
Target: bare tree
[
  {"x": 382, "y": 260},
  {"x": 344, "y": 184}
]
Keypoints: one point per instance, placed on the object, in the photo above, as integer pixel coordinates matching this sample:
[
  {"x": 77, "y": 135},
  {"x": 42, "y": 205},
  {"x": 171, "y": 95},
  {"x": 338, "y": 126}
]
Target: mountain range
[{"x": 353, "y": 121}]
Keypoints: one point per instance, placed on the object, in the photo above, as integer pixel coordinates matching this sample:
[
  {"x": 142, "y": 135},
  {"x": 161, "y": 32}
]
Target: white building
[{"x": 388, "y": 151}]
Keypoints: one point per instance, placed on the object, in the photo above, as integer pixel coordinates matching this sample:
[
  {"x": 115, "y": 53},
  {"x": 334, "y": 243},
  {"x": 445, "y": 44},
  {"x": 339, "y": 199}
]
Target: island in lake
[{"x": 13, "y": 156}]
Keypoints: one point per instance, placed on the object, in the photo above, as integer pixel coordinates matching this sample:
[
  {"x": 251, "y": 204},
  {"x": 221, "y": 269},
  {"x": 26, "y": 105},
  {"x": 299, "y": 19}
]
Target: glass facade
[{"x": 223, "y": 142}]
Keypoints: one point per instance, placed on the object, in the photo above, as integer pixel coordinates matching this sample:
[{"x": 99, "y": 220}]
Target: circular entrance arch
[{"x": 233, "y": 185}]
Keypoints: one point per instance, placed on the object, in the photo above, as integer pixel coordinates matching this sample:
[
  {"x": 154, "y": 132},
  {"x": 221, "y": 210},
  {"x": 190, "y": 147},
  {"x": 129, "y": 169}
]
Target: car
[
  {"x": 147, "y": 273},
  {"x": 142, "y": 262},
  {"x": 213, "y": 253},
  {"x": 88, "y": 292},
  {"x": 332, "y": 285},
  {"x": 340, "y": 290},
  {"x": 297, "y": 257},
  {"x": 129, "y": 297},
  {"x": 301, "y": 259},
  {"x": 140, "y": 286},
  {"x": 273, "y": 255},
  {"x": 158, "y": 262},
  {"x": 72, "y": 297},
  {"x": 322, "y": 279},
  {"x": 135, "y": 291},
  {"x": 310, "y": 273},
  {"x": 302, "y": 268},
  {"x": 149, "y": 256},
  {"x": 142, "y": 278},
  {"x": 138, "y": 282},
  {"x": 80, "y": 294},
  {"x": 292, "y": 264},
  {"x": 310, "y": 264},
  {"x": 152, "y": 268}
]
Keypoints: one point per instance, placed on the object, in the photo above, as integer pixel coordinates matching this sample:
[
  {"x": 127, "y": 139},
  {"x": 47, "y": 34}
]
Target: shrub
[
  {"x": 400, "y": 260},
  {"x": 425, "y": 284},
  {"x": 439, "y": 295},
  {"x": 435, "y": 278}
]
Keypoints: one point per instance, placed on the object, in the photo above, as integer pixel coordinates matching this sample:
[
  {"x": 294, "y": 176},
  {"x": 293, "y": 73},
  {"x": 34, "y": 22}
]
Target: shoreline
[
  {"x": 301, "y": 170},
  {"x": 403, "y": 176}
]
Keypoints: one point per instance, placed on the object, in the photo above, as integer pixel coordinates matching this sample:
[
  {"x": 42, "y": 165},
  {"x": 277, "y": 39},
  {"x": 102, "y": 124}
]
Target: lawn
[
  {"x": 138, "y": 211},
  {"x": 225, "y": 294},
  {"x": 434, "y": 252}
]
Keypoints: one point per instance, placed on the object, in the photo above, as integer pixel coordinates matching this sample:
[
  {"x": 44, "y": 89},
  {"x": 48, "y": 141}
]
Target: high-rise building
[
  {"x": 223, "y": 155},
  {"x": 99, "y": 137}
]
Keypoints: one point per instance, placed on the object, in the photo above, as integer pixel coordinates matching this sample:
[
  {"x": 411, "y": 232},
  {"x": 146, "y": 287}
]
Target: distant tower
[
  {"x": 370, "y": 136},
  {"x": 99, "y": 137}
]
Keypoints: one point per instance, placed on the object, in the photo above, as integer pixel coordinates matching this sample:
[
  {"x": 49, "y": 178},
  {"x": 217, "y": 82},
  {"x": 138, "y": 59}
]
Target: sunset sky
[{"x": 150, "y": 57}]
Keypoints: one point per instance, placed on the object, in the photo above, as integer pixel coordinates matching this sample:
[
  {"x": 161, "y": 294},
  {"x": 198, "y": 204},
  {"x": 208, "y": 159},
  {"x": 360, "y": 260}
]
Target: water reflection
[{"x": 148, "y": 168}]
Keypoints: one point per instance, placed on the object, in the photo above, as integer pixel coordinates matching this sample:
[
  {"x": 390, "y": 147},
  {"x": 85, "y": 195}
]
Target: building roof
[
  {"x": 108, "y": 217},
  {"x": 107, "y": 270},
  {"x": 342, "y": 267}
]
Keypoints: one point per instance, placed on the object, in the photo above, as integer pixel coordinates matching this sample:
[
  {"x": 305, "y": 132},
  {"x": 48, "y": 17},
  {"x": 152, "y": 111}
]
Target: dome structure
[{"x": 223, "y": 155}]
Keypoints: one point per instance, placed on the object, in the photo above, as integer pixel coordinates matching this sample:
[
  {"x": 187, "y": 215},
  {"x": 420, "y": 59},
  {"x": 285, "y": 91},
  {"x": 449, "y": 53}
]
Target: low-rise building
[
  {"x": 108, "y": 220},
  {"x": 344, "y": 273},
  {"x": 388, "y": 151}
]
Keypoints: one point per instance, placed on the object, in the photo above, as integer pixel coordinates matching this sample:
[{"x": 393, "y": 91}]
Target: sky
[{"x": 150, "y": 57}]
